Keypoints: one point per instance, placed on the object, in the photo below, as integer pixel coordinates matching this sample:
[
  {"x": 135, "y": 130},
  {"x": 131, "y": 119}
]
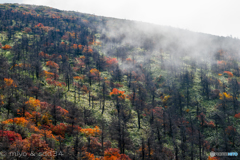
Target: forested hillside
[{"x": 79, "y": 86}]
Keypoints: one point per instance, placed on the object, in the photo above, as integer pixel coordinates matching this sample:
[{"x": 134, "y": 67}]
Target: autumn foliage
[
  {"x": 228, "y": 73},
  {"x": 33, "y": 102},
  {"x": 35, "y": 144},
  {"x": 226, "y": 96},
  {"x": 114, "y": 154},
  {"x": 1, "y": 99},
  {"x": 89, "y": 132},
  {"x": 111, "y": 61},
  {"x": 9, "y": 82},
  {"x": 237, "y": 115},
  {"x": 6, "y": 47},
  {"x": 10, "y": 135},
  {"x": 118, "y": 93},
  {"x": 52, "y": 64}
]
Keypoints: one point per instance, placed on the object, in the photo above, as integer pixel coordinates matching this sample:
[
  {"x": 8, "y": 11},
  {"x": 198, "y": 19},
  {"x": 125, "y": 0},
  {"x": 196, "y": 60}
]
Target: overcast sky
[{"x": 217, "y": 17}]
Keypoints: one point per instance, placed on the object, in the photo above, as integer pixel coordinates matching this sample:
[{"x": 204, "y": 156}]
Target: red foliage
[
  {"x": 230, "y": 130},
  {"x": 39, "y": 25},
  {"x": 75, "y": 46},
  {"x": 229, "y": 73},
  {"x": 52, "y": 64},
  {"x": 87, "y": 49},
  {"x": 111, "y": 61},
  {"x": 237, "y": 115},
  {"x": 61, "y": 129},
  {"x": 12, "y": 136},
  {"x": 45, "y": 55},
  {"x": 128, "y": 59},
  {"x": 55, "y": 83},
  {"x": 34, "y": 144}
]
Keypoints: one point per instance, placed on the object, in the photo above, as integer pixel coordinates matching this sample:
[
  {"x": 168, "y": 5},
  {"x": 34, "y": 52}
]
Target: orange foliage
[
  {"x": 48, "y": 74},
  {"x": 9, "y": 82},
  {"x": 25, "y": 123},
  {"x": 94, "y": 72},
  {"x": 52, "y": 64},
  {"x": 89, "y": 156},
  {"x": 6, "y": 47},
  {"x": 114, "y": 154},
  {"x": 78, "y": 77},
  {"x": 80, "y": 46},
  {"x": 91, "y": 132},
  {"x": 75, "y": 46},
  {"x": 21, "y": 64},
  {"x": 229, "y": 73},
  {"x": 213, "y": 158},
  {"x": 211, "y": 124},
  {"x": 85, "y": 21},
  {"x": 18, "y": 120},
  {"x": 128, "y": 59},
  {"x": 120, "y": 94},
  {"x": 62, "y": 111}
]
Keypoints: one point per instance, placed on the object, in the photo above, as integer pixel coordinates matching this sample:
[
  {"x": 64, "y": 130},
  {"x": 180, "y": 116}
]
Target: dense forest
[{"x": 83, "y": 87}]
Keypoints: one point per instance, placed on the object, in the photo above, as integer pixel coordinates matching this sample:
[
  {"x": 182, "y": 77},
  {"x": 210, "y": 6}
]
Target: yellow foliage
[
  {"x": 165, "y": 98},
  {"x": 224, "y": 95},
  {"x": 33, "y": 102}
]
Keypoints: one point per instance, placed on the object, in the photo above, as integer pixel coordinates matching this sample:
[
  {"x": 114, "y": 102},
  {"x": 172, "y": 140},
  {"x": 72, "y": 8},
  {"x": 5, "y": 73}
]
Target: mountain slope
[{"x": 81, "y": 86}]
